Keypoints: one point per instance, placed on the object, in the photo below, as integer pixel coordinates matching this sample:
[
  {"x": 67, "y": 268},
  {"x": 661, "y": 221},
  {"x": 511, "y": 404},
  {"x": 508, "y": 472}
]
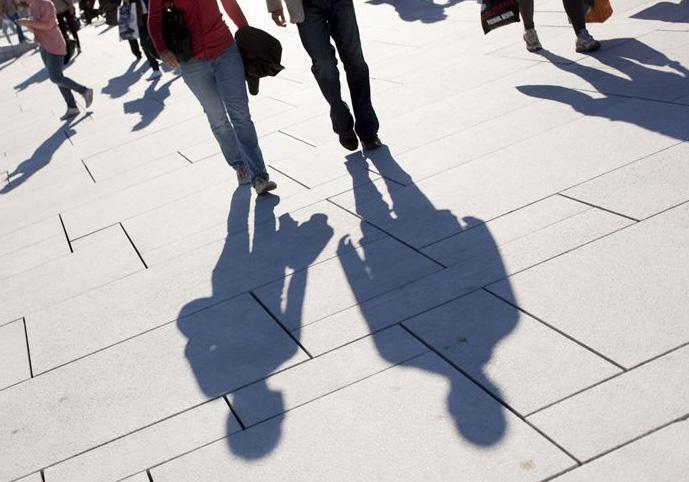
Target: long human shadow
[
  {"x": 425, "y": 11},
  {"x": 483, "y": 424},
  {"x": 223, "y": 346},
  {"x": 666, "y": 12},
  {"x": 41, "y": 157},
  {"x": 36, "y": 78},
  {"x": 151, "y": 104},
  {"x": 633, "y": 60},
  {"x": 119, "y": 85}
]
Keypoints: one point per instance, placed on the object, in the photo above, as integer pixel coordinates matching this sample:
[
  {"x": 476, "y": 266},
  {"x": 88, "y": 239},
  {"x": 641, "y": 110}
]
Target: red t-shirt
[{"x": 210, "y": 36}]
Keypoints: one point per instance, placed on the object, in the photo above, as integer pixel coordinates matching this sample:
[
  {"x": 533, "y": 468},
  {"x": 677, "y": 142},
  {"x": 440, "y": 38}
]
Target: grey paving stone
[
  {"x": 643, "y": 188},
  {"x": 611, "y": 294},
  {"x": 397, "y": 411},
  {"x": 32, "y": 478},
  {"x": 135, "y": 384},
  {"x": 324, "y": 375},
  {"x": 604, "y": 417},
  {"x": 32, "y": 246},
  {"x": 518, "y": 359},
  {"x": 98, "y": 259},
  {"x": 343, "y": 282},
  {"x": 523, "y": 173},
  {"x": 149, "y": 446},
  {"x": 142, "y": 477},
  {"x": 106, "y": 167},
  {"x": 484, "y": 254},
  {"x": 659, "y": 456},
  {"x": 14, "y": 358}
]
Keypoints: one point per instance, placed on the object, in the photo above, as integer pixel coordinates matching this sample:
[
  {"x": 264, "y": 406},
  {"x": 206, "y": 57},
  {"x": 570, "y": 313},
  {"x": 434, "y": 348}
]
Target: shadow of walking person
[
  {"x": 481, "y": 423},
  {"x": 151, "y": 105},
  {"x": 634, "y": 61},
  {"x": 425, "y": 11},
  {"x": 666, "y": 12},
  {"x": 119, "y": 85},
  {"x": 234, "y": 343},
  {"x": 40, "y": 157}
]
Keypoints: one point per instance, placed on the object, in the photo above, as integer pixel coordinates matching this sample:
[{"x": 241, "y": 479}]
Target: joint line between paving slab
[
  {"x": 42, "y": 475},
  {"x": 681, "y": 419},
  {"x": 275, "y": 318},
  {"x": 280, "y": 131},
  {"x": 148, "y": 474},
  {"x": 133, "y": 246},
  {"x": 632, "y": 97},
  {"x": 186, "y": 158},
  {"x": 83, "y": 163},
  {"x": 28, "y": 350},
  {"x": 417, "y": 251},
  {"x": 289, "y": 177},
  {"x": 569, "y": 337},
  {"x": 64, "y": 230},
  {"x": 489, "y": 393},
  {"x": 236, "y": 415},
  {"x": 571, "y": 198}
]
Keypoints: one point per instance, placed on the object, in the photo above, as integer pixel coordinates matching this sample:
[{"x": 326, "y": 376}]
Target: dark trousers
[
  {"x": 326, "y": 19},
  {"x": 20, "y": 33},
  {"x": 145, "y": 42},
  {"x": 575, "y": 11},
  {"x": 68, "y": 22}
]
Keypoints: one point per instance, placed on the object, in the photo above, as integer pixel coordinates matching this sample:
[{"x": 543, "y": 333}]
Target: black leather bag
[{"x": 175, "y": 33}]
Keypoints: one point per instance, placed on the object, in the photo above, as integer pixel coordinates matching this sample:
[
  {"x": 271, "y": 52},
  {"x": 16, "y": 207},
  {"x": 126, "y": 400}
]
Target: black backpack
[{"x": 175, "y": 33}]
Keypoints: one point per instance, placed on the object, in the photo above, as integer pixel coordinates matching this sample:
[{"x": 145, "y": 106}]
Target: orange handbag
[{"x": 599, "y": 12}]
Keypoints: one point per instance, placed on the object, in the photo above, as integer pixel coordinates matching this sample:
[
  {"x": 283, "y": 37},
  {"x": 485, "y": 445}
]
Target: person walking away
[
  {"x": 318, "y": 21},
  {"x": 67, "y": 21},
  {"x": 11, "y": 11},
  {"x": 577, "y": 14},
  {"x": 144, "y": 38},
  {"x": 215, "y": 75},
  {"x": 43, "y": 23}
]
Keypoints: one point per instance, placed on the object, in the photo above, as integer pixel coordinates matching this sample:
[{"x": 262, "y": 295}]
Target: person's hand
[
  {"x": 279, "y": 18},
  {"x": 24, "y": 22},
  {"x": 169, "y": 59}
]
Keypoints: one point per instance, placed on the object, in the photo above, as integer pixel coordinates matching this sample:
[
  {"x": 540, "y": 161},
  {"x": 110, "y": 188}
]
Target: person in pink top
[{"x": 43, "y": 23}]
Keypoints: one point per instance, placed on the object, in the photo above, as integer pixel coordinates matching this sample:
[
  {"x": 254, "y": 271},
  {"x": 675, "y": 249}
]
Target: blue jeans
[
  {"x": 219, "y": 86},
  {"x": 336, "y": 19},
  {"x": 54, "y": 63}
]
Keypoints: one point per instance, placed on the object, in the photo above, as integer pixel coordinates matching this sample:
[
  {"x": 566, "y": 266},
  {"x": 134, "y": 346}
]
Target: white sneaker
[
  {"x": 263, "y": 185},
  {"x": 71, "y": 113},
  {"x": 155, "y": 75},
  {"x": 88, "y": 98},
  {"x": 531, "y": 39},
  {"x": 243, "y": 175},
  {"x": 585, "y": 42}
]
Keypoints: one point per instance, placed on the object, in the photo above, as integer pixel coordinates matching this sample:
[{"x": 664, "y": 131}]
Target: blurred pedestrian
[
  {"x": 67, "y": 21},
  {"x": 11, "y": 10}
]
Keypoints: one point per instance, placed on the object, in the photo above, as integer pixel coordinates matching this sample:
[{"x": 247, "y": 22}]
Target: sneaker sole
[{"x": 583, "y": 50}]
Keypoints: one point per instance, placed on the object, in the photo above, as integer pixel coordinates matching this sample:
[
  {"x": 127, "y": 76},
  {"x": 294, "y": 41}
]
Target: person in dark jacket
[
  {"x": 67, "y": 21},
  {"x": 146, "y": 42}
]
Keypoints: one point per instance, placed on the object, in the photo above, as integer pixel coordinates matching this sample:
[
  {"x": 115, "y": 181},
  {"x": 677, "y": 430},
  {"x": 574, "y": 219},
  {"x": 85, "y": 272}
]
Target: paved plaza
[{"x": 500, "y": 293}]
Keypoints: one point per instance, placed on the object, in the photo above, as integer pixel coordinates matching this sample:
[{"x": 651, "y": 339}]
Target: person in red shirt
[
  {"x": 43, "y": 24},
  {"x": 215, "y": 75}
]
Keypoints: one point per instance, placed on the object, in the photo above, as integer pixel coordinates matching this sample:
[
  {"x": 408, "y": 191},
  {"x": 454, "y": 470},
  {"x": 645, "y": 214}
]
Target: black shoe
[
  {"x": 371, "y": 143},
  {"x": 349, "y": 141}
]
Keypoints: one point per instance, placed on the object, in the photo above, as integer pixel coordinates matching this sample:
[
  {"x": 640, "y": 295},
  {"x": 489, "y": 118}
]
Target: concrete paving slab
[
  {"x": 658, "y": 456},
  {"x": 486, "y": 253},
  {"x": 149, "y": 446},
  {"x": 620, "y": 410},
  {"x": 146, "y": 380},
  {"x": 69, "y": 276},
  {"x": 33, "y": 255},
  {"x": 383, "y": 410},
  {"x": 324, "y": 375},
  {"x": 14, "y": 357},
  {"x": 142, "y": 477},
  {"x": 102, "y": 168},
  {"x": 624, "y": 288},
  {"x": 343, "y": 282},
  {"x": 643, "y": 188},
  {"x": 516, "y": 358}
]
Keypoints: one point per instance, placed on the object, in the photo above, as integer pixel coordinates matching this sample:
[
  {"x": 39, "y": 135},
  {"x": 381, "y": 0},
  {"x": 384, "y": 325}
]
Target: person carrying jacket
[
  {"x": 215, "y": 75},
  {"x": 318, "y": 21}
]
